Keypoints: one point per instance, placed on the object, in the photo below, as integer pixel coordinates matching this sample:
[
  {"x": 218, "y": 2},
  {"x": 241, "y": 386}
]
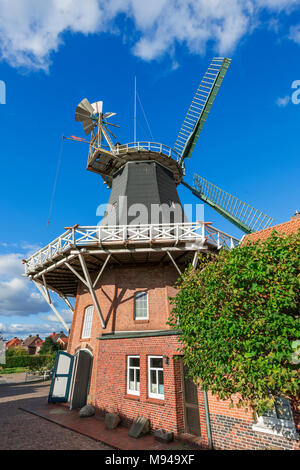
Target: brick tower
[{"x": 122, "y": 273}]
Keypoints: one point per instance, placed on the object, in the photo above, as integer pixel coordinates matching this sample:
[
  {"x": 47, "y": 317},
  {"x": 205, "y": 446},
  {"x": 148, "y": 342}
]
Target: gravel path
[{"x": 21, "y": 430}]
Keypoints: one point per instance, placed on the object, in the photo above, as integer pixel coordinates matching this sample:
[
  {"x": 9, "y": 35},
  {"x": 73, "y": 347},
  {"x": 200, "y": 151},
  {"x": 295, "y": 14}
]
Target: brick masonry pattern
[{"x": 231, "y": 428}]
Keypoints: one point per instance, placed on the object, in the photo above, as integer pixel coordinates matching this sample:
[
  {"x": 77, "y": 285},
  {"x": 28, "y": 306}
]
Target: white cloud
[
  {"x": 66, "y": 314},
  {"x": 295, "y": 33},
  {"x": 22, "y": 330},
  {"x": 11, "y": 265},
  {"x": 30, "y": 30},
  {"x": 17, "y": 298},
  {"x": 283, "y": 102}
]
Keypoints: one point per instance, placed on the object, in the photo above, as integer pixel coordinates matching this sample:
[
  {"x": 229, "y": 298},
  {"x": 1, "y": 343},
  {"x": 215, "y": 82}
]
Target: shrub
[
  {"x": 238, "y": 315},
  {"x": 32, "y": 362}
]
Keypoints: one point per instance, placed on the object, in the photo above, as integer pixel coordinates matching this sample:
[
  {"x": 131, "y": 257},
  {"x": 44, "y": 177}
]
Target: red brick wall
[
  {"x": 231, "y": 428},
  {"x": 115, "y": 293},
  {"x": 111, "y": 392}
]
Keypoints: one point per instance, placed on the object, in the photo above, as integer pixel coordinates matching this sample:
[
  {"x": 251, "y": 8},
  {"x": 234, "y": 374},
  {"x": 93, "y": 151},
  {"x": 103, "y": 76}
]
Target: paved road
[{"x": 21, "y": 430}]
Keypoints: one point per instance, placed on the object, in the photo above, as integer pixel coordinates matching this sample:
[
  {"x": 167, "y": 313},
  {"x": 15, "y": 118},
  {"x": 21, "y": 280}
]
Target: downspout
[{"x": 207, "y": 418}]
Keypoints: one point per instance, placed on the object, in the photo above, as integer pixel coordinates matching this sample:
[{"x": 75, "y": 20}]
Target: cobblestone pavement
[{"x": 21, "y": 430}]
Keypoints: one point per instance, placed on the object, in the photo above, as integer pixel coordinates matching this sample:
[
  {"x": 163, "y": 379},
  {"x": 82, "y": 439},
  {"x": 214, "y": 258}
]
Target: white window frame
[
  {"x": 158, "y": 396},
  {"x": 129, "y": 391},
  {"x": 87, "y": 322},
  {"x": 276, "y": 426},
  {"x": 135, "y": 300}
]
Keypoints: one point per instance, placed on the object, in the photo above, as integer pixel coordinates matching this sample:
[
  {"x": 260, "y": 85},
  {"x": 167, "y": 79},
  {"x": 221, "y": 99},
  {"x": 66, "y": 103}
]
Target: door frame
[
  {"x": 74, "y": 372},
  {"x": 186, "y": 426},
  {"x": 69, "y": 375}
]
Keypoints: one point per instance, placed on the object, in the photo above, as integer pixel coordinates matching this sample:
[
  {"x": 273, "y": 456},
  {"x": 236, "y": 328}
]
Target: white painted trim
[
  {"x": 87, "y": 310},
  {"x": 157, "y": 396},
  {"x": 174, "y": 262},
  {"x": 101, "y": 270},
  {"x": 50, "y": 303},
  {"x": 111, "y": 237},
  {"x": 129, "y": 391},
  {"x": 275, "y": 426},
  {"x": 287, "y": 432},
  {"x": 147, "y": 316},
  {"x": 91, "y": 289}
]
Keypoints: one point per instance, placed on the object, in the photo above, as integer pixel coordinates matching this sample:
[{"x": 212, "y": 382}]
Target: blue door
[{"x": 61, "y": 378}]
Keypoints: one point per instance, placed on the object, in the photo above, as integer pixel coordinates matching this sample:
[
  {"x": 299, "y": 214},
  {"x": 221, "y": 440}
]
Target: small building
[
  {"x": 289, "y": 227},
  {"x": 32, "y": 344},
  {"x": 13, "y": 343},
  {"x": 63, "y": 341},
  {"x": 60, "y": 338},
  {"x": 132, "y": 365}
]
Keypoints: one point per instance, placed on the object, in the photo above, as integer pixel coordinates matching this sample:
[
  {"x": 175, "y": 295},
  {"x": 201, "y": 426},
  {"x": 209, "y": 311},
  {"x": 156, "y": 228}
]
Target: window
[
  {"x": 141, "y": 306},
  {"x": 88, "y": 320},
  {"x": 133, "y": 375},
  {"x": 155, "y": 377},
  {"x": 278, "y": 421}
]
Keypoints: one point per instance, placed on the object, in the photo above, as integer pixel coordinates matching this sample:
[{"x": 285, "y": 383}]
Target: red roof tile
[
  {"x": 292, "y": 226},
  {"x": 13, "y": 342}
]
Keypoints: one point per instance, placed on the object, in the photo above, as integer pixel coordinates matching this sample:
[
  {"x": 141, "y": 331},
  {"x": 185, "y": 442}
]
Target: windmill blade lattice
[
  {"x": 245, "y": 217},
  {"x": 83, "y": 113},
  {"x": 200, "y": 107}
]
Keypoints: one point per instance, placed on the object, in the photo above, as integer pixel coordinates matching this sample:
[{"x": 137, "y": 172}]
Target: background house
[
  {"x": 12, "y": 343},
  {"x": 32, "y": 344},
  {"x": 60, "y": 338}
]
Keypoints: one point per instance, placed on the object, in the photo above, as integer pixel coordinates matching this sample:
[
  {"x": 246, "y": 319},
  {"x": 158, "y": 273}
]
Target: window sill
[
  {"x": 142, "y": 320},
  {"x": 132, "y": 397},
  {"x": 85, "y": 339},
  {"x": 288, "y": 432},
  {"x": 156, "y": 401}
]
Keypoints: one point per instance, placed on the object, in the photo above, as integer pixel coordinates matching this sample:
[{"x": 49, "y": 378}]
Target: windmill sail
[
  {"x": 200, "y": 107},
  {"x": 245, "y": 217}
]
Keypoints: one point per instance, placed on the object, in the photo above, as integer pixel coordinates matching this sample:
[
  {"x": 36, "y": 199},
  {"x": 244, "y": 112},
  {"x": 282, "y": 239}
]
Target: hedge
[{"x": 32, "y": 362}]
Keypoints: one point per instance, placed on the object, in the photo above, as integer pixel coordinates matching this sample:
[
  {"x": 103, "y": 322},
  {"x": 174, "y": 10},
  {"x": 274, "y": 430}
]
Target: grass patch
[{"x": 13, "y": 370}]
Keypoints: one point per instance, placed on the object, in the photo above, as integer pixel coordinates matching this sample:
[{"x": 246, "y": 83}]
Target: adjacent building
[
  {"x": 13, "y": 343},
  {"x": 32, "y": 344}
]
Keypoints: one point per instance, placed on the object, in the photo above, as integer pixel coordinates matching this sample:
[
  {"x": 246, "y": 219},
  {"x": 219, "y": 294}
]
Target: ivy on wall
[{"x": 238, "y": 315}]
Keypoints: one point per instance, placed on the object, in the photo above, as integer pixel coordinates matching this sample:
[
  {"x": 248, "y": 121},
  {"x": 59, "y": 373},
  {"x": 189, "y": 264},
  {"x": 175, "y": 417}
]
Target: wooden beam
[
  {"x": 49, "y": 302},
  {"x": 46, "y": 288},
  {"x": 91, "y": 288},
  {"x": 76, "y": 274},
  {"x": 195, "y": 259},
  {"x": 173, "y": 261},
  {"x": 67, "y": 302},
  {"x": 101, "y": 270}
]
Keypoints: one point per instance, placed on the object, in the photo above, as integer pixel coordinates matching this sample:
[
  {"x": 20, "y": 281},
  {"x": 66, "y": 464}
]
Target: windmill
[
  {"x": 132, "y": 253},
  {"x": 121, "y": 164}
]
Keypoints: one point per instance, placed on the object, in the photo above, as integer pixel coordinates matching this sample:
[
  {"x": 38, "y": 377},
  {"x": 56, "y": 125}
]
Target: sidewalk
[
  {"x": 12, "y": 379},
  {"x": 94, "y": 427}
]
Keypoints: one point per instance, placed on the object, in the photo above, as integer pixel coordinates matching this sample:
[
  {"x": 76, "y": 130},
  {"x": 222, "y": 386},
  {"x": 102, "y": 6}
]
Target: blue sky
[{"x": 55, "y": 53}]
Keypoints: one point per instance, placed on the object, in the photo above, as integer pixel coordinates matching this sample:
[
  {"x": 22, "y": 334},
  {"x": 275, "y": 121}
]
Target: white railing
[
  {"x": 148, "y": 146},
  {"x": 116, "y": 235}
]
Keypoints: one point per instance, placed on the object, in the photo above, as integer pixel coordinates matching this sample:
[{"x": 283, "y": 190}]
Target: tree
[
  {"x": 16, "y": 351},
  {"x": 49, "y": 346},
  {"x": 238, "y": 315}
]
